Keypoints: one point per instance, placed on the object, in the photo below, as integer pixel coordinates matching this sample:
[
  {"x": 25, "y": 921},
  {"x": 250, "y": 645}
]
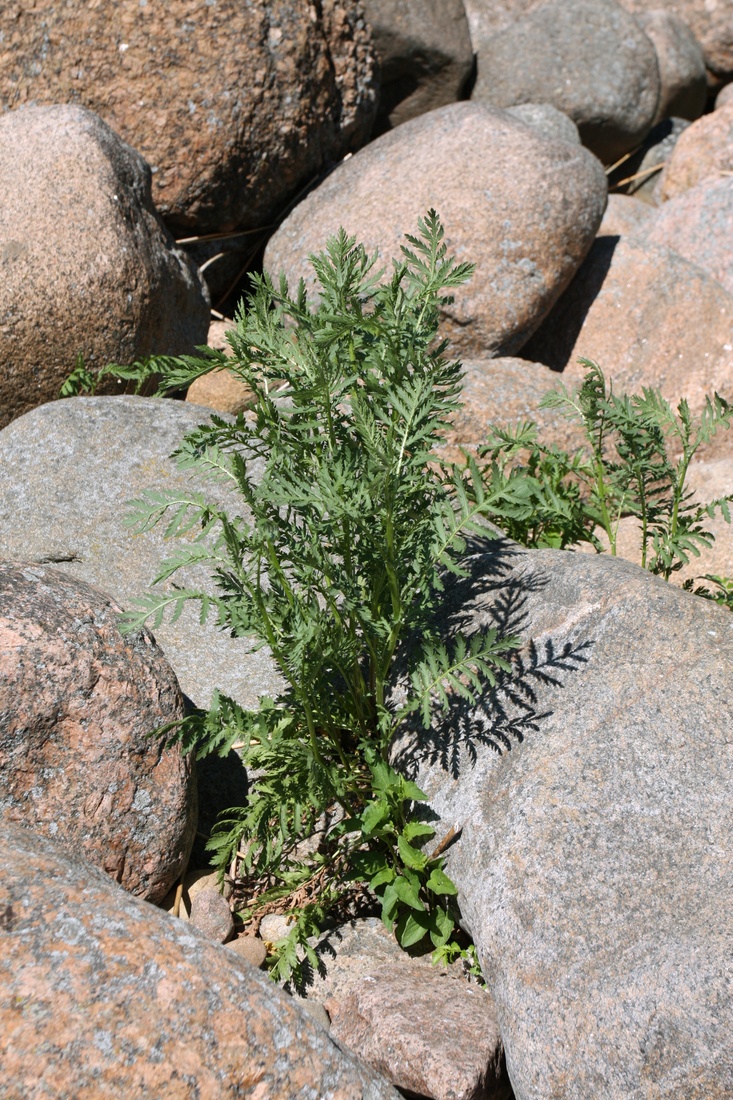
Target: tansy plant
[{"x": 334, "y": 556}]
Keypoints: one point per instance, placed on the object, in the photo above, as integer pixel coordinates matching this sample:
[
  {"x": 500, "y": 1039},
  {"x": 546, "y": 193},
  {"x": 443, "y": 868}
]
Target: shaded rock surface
[
  {"x": 523, "y": 208},
  {"x": 105, "y": 995},
  {"x": 425, "y": 55},
  {"x": 86, "y": 265},
  {"x": 594, "y": 868},
  {"x": 588, "y": 58},
  {"x": 699, "y": 225},
  {"x": 683, "y": 85},
  {"x": 78, "y": 703},
  {"x": 649, "y": 317},
  {"x": 67, "y": 471},
  {"x": 234, "y": 105},
  {"x": 703, "y": 152},
  {"x": 644, "y": 169},
  {"x": 425, "y": 1028}
]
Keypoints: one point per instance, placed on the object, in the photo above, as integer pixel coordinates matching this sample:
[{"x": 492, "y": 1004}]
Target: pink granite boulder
[
  {"x": 102, "y": 995},
  {"x": 522, "y": 207},
  {"x": 78, "y": 703},
  {"x": 703, "y": 152}
]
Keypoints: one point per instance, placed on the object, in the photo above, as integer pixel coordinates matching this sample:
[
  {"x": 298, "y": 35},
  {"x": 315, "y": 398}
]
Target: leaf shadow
[{"x": 492, "y": 595}]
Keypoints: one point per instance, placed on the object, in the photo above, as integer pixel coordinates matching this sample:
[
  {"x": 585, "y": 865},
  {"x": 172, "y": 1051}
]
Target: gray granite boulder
[
  {"x": 525, "y": 209},
  {"x": 593, "y": 787},
  {"x": 68, "y": 470},
  {"x": 588, "y": 58},
  {"x": 104, "y": 995}
]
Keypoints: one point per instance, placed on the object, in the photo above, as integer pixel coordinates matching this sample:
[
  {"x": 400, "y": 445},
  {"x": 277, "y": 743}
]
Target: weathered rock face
[
  {"x": 699, "y": 225},
  {"x": 588, "y": 58},
  {"x": 69, "y": 469},
  {"x": 426, "y": 1029},
  {"x": 523, "y": 208},
  {"x": 703, "y": 152},
  {"x": 594, "y": 868},
  {"x": 649, "y": 317},
  {"x": 234, "y": 105},
  {"x": 425, "y": 55},
  {"x": 711, "y": 21},
  {"x": 104, "y": 995},
  {"x": 78, "y": 703},
  {"x": 683, "y": 83},
  {"x": 86, "y": 265}
]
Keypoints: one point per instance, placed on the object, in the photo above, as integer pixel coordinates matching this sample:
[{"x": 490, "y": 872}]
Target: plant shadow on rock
[{"x": 506, "y": 713}]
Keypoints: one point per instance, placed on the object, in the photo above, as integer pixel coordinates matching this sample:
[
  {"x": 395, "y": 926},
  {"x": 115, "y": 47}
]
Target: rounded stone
[
  {"x": 86, "y": 265},
  {"x": 588, "y": 58},
  {"x": 523, "y": 208},
  {"x": 546, "y": 120},
  {"x": 649, "y": 317},
  {"x": 683, "y": 86},
  {"x": 78, "y": 705}
]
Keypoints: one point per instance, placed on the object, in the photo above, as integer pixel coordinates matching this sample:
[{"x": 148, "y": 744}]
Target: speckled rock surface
[
  {"x": 67, "y": 471},
  {"x": 235, "y": 105},
  {"x": 86, "y": 265},
  {"x": 546, "y": 120},
  {"x": 523, "y": 208},
  {"x": 699, "y": 225},
  {"x": 504, "y": 391},
  {"x": 650, "y": 318},
  {"x": 703, "y": 152},
  {"x": 588, "y": 58},
  {"x": 425, "y": 55},
  {"x": 210, "y": 913},
  {"x": 711, "y": 21},
  {"x": 424, "y": 1027},
  {"x": 77, "y": 705},
  {"x": 595, "y": 865},
  {"x": 103, "y": 995}
]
